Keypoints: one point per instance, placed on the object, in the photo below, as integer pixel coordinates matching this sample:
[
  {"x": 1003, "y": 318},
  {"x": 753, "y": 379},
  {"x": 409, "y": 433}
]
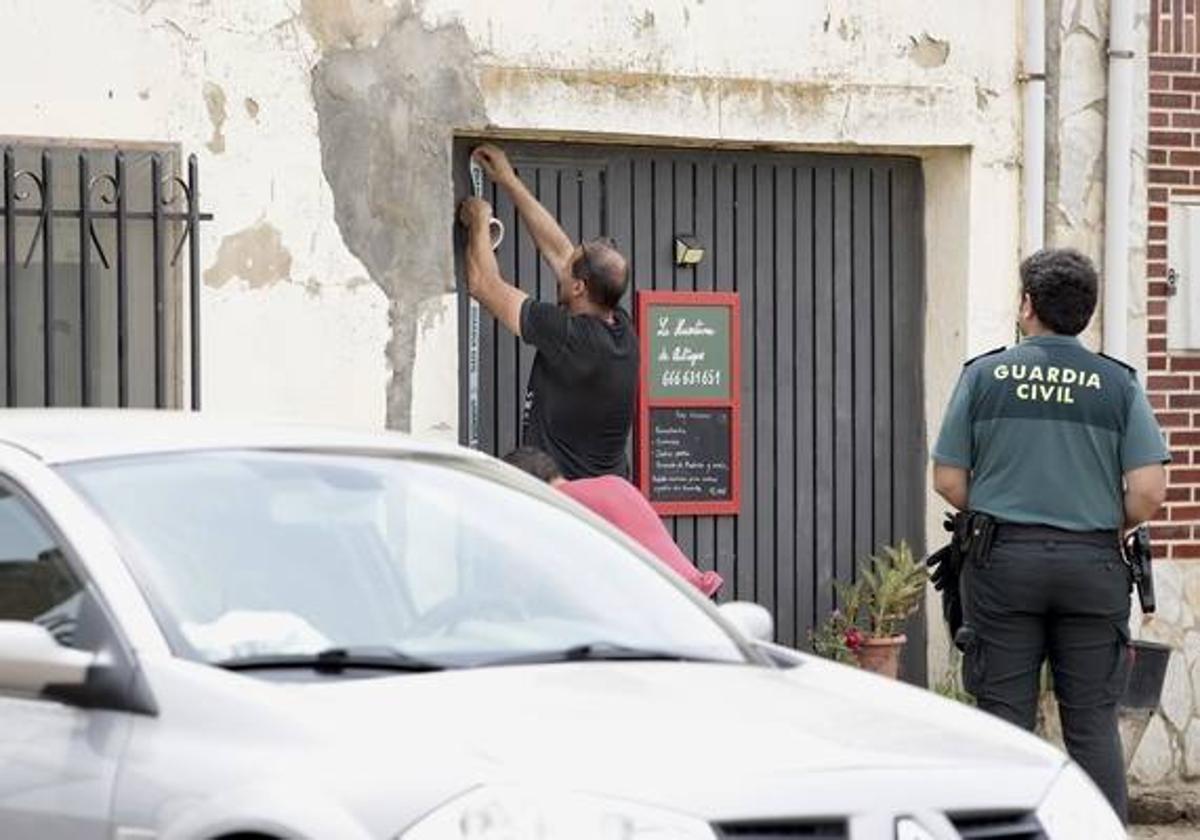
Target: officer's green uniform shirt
[{"x": 1047, "y": 429}]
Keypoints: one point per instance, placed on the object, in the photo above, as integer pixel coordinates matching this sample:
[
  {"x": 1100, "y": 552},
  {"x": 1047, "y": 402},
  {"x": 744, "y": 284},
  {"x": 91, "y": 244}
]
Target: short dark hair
[
  {"x": 603, "y": 271},
  {"x": 535, "y": 462},
  {"x": 1062, "y": 287}
]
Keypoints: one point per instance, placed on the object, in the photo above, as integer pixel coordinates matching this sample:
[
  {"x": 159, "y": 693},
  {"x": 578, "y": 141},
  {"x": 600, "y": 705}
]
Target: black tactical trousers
[{"x": 1046, "y": 593}]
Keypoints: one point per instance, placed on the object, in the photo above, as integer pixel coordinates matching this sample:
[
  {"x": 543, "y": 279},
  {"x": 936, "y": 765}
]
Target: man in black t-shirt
[{"x": 580, "y": 399}]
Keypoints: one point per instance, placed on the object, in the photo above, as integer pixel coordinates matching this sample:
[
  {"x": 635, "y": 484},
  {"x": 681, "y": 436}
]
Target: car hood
[{"x": 724, "y": 741}]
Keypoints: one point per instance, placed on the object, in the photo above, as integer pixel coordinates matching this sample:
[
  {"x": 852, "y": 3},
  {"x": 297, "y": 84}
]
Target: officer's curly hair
[{"x": 1062, "y": 286}]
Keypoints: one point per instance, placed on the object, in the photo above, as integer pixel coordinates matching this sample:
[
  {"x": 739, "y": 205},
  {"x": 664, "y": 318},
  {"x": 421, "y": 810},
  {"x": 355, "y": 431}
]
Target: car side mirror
[
  {"x": 31, "y": 660},
  {"x": 752, "y": 619}
]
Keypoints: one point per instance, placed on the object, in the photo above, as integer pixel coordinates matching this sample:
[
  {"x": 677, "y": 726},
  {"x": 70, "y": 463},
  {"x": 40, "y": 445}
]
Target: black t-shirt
[{"x": 579, "y": 403}]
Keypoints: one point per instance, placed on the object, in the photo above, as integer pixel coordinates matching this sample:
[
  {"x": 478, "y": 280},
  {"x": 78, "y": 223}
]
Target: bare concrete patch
[
  {"x": 214, "y": 101},
  {"x": 255, "y": 255},
  {"x": 387, "y": 116},
  {"x": 928, "y": 52}
]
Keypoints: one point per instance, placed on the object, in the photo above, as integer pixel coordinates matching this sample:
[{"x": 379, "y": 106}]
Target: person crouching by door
[{"x": 621, "y": 504}]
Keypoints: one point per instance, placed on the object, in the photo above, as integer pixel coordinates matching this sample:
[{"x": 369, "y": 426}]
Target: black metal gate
[
  {"x": 826, "y": 253},
  {"x": 93, "y": 242}
]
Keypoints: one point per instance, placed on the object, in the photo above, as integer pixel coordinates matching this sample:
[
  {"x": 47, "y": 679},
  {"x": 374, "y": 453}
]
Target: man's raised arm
[
  {"x": 551, "y": 240},
  {"x": 500, "y": 298}
]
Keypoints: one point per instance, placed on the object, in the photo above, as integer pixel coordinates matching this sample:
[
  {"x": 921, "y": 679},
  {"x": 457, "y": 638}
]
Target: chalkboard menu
[
  {"x": 691, "y": 455},
  {"x": 689, "y": 410},
  {"x": 689, "y": 351}
]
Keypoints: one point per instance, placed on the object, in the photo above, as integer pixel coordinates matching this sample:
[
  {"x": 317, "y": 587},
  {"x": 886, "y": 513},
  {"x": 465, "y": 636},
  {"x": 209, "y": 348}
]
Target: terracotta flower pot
[{"x": 882, "y": 656}]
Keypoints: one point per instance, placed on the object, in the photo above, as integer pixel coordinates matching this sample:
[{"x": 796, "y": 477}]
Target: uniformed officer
[{"x": 1060, "y": 447}]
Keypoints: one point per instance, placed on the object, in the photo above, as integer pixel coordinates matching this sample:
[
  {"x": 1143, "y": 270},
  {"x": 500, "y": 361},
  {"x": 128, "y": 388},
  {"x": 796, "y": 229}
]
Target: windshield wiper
[
  {"x": 336, "y": 660},
  {"x": 596, "y": 652}
]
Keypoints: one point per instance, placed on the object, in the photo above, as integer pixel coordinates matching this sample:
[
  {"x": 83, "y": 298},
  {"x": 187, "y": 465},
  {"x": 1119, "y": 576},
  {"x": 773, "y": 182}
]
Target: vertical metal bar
[
  {"x": 473, "y": 341},
  {"x": 48, "y": 395},
  {"x": 193, "y": 233},
  {"x": 122, "y": 287},
  {"x": 159, "y": 311},
  {"x": 509, "y": 390},
  {"x": 10, "y": 273},
  {"x": 85, "y": 280},
  {"x": 765, "y": 395},
  {"x": 473, "y": 374}
]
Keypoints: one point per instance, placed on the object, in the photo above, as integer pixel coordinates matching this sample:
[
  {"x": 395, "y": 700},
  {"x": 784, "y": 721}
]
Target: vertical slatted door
[{"x": 826, "y": 254}]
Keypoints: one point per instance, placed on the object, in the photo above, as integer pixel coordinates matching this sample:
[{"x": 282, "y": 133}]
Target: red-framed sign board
[{"x": 688, "y": 441}]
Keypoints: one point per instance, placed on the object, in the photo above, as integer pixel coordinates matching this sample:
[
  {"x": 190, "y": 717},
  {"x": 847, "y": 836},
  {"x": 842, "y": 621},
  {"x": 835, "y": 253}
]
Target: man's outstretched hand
[
  {"x": 495, "y": 163},
  {"x": 551, "y": 240}
]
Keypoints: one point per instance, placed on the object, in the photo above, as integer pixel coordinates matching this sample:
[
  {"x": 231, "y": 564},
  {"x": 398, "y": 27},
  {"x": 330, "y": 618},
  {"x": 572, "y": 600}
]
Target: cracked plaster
[{"x": 387, "y": 114}]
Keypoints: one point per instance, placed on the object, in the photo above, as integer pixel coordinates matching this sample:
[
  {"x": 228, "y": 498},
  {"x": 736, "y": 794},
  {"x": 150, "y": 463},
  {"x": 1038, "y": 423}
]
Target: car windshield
[{"x": 253, "y": 554}]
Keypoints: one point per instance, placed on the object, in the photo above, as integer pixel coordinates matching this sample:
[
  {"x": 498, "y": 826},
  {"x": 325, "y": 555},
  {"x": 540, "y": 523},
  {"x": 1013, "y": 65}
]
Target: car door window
[
  {"x": 58, "y": 761},
  {"x": 36, "y": 582}
]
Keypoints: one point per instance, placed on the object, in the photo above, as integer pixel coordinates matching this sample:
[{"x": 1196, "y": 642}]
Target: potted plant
[{"x": 866, "y": 629}]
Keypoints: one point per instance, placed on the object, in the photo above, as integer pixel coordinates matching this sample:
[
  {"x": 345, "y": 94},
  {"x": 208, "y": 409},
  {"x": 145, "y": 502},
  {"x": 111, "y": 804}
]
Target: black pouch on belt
[
  {"x": 979, "y": 534},
  {"x": 972, "y": 534}
]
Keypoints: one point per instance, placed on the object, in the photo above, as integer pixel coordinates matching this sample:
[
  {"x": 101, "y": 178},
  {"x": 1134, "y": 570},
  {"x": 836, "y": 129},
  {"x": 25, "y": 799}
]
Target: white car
[{"x": 232, "y": 631}]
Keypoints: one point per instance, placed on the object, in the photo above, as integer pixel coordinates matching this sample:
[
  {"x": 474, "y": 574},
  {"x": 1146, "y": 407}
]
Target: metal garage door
[{"x": 825, "y": 252}]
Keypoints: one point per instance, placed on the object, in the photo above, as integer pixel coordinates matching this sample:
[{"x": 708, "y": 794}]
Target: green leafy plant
[
  {"x": 888, "y": 590},
  {"x": 893, "y": 584}
]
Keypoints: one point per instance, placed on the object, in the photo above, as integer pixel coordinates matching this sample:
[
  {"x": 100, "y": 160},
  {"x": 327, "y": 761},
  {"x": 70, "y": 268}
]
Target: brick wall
[{"x": 1173, "y": 381}]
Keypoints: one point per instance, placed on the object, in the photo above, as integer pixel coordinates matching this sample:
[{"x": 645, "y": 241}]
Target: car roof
[{"x": 57, "y": 435}]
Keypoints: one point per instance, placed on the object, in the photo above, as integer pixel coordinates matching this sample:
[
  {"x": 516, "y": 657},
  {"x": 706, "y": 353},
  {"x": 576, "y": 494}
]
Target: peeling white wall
[
  {"x": 435, "y": 370},
  {"x": 231, "y": 81},
  {"x": 308, "y": 344},
  {"x": 298, "y": 332}
]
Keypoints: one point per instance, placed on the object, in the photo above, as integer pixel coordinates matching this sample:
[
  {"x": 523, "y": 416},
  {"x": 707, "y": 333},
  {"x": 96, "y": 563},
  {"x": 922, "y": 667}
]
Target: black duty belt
[{"x": 1013, "y": 532}]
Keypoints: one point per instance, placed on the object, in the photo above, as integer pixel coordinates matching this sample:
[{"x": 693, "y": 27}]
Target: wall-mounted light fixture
[{"x": 688, "y": 250}]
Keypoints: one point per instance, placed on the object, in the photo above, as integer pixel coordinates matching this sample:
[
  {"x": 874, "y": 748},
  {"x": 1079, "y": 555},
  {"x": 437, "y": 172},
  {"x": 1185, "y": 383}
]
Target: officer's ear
[{"x": 1026, "y": 308}]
